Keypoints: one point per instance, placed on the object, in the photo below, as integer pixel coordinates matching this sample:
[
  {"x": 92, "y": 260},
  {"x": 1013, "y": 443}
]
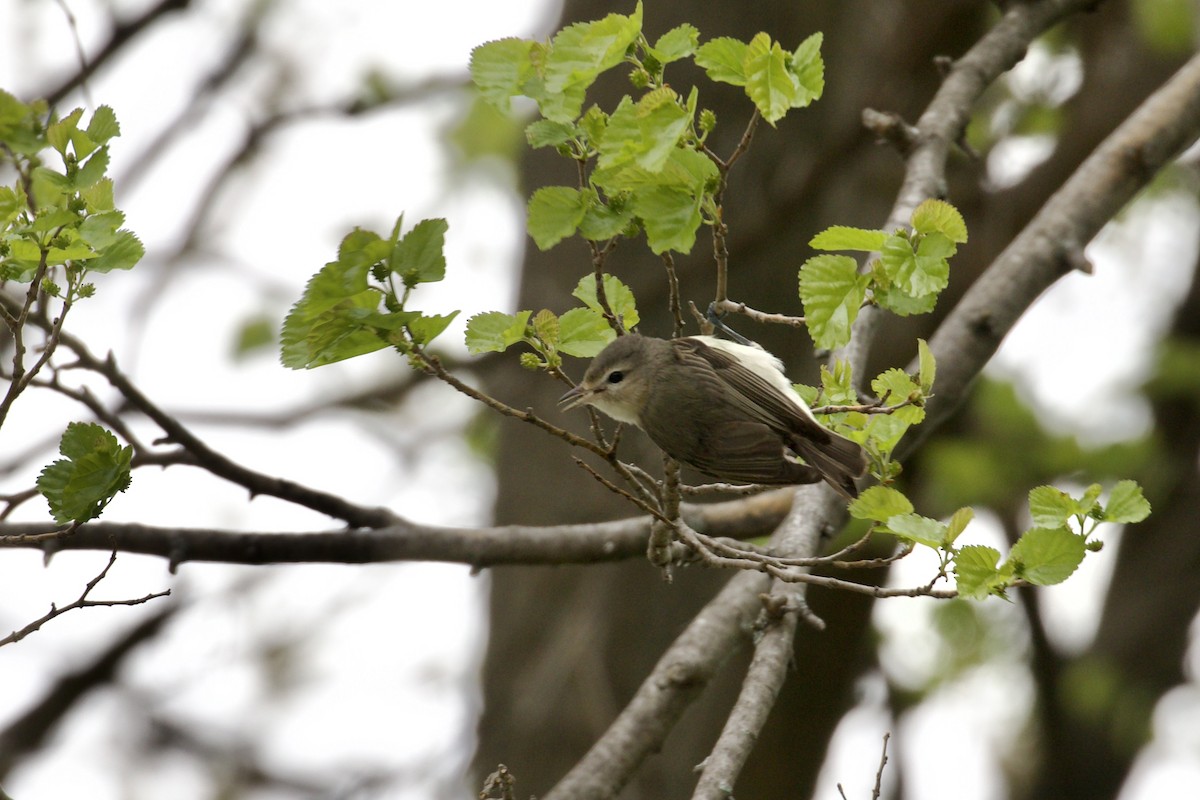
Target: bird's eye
[{"x": 616, "y": 376}]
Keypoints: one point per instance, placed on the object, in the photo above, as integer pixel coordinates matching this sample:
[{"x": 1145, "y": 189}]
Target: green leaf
[
  {"x": 919, "y": 529},
  {"x": 724, "y": 59},
  {"x": 880, "y": 503},
  {"x": 1051, "y": 507},
  {"x": 959, "y": 521},
  {"x": 427, "y": 327},
  {"x": 96, "y": 467},
  {"x": 643, "y": 133},
  {"x": 809, "y": 69},
  {"x": 92, "y": 170},
  {"x": 601, "y": 221},
  {"x": 841, "y": 237},
  {"x": 1126, "y": 503},
  {"x": 123, "y": 252},
  {"x": 619, "y": 296},
  {"x": 938, "y": 216},
  {"x": 11, "y": 203},
  {"x": 546, "y": 328},
  {"x": 493, "y": 331},
  {"x": 554, "y": 214},
  {"x": 501, "y": 69},
  {"x": 548, "y": 133},
  {"x": 578, "y": 54},
  {"x": 670, "y": 216},
  {"x": 59, "y": 132},
  {"x": 418, "y": 257},
  {"x": 1046, "y": 556},
  {"x": 769, "y": 83},
  {"x": 902, "y": 304},
  {"x": 337, "y": 316},
  {"x": 676, "y": 43},
  {"x": 926, "y": 366},
  {"x": 583, "y": 333},
  {"x": 103, "y": 125},
  {"x": 832, "y": 292},
  {"x": 921, "y": 272},
  {"x": 975, "y": 571}
]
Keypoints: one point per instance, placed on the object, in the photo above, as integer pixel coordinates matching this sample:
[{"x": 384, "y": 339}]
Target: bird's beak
[{"x": 575, "y": 398}]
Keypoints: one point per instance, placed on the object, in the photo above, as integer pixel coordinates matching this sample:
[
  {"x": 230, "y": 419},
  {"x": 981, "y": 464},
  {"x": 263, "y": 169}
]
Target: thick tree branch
[
  {"x": 1162, "y": 127},
  {"x": 403, "y": 541}
]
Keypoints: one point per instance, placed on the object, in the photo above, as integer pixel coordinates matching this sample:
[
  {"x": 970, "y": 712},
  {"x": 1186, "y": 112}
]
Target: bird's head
[{"x": 618, "y": 380}]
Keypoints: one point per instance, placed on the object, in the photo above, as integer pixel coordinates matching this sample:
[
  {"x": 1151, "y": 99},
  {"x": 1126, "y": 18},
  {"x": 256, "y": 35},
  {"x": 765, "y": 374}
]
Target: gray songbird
[{"x": 724, "y": 408}]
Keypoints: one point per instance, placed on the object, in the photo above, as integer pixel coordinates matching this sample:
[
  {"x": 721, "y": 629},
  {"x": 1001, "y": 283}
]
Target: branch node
[{"x": 890, "y": 127}]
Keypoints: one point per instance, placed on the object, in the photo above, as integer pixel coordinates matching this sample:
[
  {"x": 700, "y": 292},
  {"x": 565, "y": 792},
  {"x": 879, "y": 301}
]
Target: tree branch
[
  {"x": 403, "y": 541},
  {"x": 1162, "y": 127}
]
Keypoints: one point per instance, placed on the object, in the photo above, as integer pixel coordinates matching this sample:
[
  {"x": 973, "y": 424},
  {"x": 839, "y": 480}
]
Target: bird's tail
[{"x": 838, "y": 459}]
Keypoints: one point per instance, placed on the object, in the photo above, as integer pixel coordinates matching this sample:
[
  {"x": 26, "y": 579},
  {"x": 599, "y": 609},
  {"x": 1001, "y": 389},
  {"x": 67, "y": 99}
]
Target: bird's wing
[
  {"x": 752, "y": 393},
  {"x": 749, "y": 452}
]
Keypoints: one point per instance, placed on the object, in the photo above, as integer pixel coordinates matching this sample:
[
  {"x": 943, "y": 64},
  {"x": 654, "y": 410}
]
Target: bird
[{"x": 726, "y": 409}]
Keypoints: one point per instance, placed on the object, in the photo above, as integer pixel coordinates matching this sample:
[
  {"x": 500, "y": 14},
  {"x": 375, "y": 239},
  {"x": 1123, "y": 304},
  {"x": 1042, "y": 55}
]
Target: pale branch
[
  {"x": 801, "y": 533},
  {"x": 1124, "y": 163},
  {"x": 404, "y": 541},
  {"x": 676, "y": 680},
  {"x": 641, "y": 727},
  {"x": 733, "y": 307},
  {"x": 83, "y": 601}
]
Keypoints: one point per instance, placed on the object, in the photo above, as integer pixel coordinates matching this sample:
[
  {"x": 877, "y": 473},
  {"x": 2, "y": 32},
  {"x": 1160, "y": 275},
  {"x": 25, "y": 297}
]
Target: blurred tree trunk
[{"x": 570, "y": 645}]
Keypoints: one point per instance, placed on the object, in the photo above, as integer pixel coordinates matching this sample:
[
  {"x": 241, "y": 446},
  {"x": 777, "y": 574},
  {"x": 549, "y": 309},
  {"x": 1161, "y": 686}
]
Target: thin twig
[
  {"x": 81, "y": 602},
  {"x": 730, "y": 306}
]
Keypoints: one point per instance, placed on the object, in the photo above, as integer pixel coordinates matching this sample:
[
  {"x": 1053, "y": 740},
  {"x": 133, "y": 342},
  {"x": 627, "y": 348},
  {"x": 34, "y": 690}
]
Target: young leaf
[
  {"x": 548, "y": 133},
  {"x": 920, "y": 272},
  {"x": 975, "y": 571},
  {"x": 96, "y": 467},
  {"x": 103, "y": 125},
  {"x": 1046, "y": 556},
  {"x": 809, "y": 69},
  {"x": 841, "y": 237},
  {"x": 670, "y": 216},
  {"x": 501, "y": 69},
  {"x": 123, "y": 252},
  {"x": 724, "y": 60},
  {"x": 832, "y": 292},
  {"x": 494, "y": 331},
  {"x": 1051, "y": 507},
  {"x": 919, "y": 529},
  {"x": 880, "y": 503},
  {"x": 329, "y": 321},
  {"x": 644, "y": 133},
  {"x": 620, "y": 298},
  {"x": 417, "y": 257},
  {"x": 676, "y": 43},
  {"x": 583, "y": 333},
  {"x": 427, "y": 327},
  {"x": 1126, "y": 503},
  {"x": 554, "y": 214},
  {"x": 926, "y": 366},
  {"x": 938, "y": 216},
  {"x": 959, "y": 521},
  {"x": 578, "y": 54},
  {"x": 769, "y": 84}
]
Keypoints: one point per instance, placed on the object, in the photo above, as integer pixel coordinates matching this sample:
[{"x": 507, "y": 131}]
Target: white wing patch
[{"x": 761, "y": 363}]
